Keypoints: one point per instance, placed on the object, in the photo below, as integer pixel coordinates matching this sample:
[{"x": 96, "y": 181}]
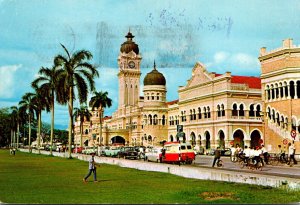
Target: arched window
[
  {"x": 194, "y": 114},
  {"x": 234, "y": 110},
  {"x": 205, "y": 114},
  {"x": 150, "y": 119},
  {"x": 269, "y": 113},
  {"x": 222, "y": 110},
  {"x": 278, "y": 119},
  {"x": 218, "y": 110},
  {"x": 273, "y": 115},
  {"x": 208, "y": 112},
  {"x": 241, "y": 111},
  {"x": 191, "y": 115},
  {"x": 199, "y": 113},
  {"x": 292, "y": 89},
  {"x": 251, "y": 111},
  {"x": 258, "y": 111},
  {"x": 155, "y": 120},
  {"x": 163, "y": 121}
]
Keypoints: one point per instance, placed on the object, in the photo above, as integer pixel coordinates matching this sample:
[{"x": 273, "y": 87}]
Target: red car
[{"x": 77, "y": 150}]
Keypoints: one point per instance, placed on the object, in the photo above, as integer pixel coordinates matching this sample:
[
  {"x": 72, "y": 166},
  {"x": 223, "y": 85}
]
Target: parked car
[
  {"x": 77, "y": 150},
  {"x": 89, "y": 150},
  {"x": 112, "y": 151},
  {"x": 153, "y": 155},
  {"x": 224, "y": 152},
  {"x": 102, "y": 150},
  {"x": 128, "y": 152}
]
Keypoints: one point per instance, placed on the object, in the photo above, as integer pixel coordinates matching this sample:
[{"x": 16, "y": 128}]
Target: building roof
[
  {"x": 154, "y": 77},
  {"x": 129, "y": 45},
  {"x": 252, "y": 82},
  {"x": 172, "y": 102},
  {"x": 106, "y": 118}
]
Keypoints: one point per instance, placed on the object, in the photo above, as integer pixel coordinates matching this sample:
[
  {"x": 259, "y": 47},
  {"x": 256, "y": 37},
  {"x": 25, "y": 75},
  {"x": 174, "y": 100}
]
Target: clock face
[{"x": 131, "y": 64}]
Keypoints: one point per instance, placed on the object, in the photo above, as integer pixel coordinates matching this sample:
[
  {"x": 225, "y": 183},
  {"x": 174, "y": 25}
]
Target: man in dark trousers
[
  {"x": 92, "y": 168},
  {"x": 217, "y": 155}
]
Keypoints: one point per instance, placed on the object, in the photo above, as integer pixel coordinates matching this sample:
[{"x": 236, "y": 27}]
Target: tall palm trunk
[
  {"x": 52, "y": 123},
  {"x": 39, "y": 131},
  {"x": 14, "y": 143},
  {"x": 100, "y": 131},
  {"x": 29, "y": 133},
  {"x": 11, "y": 137},
  {"x": 18, "y": 134},
  {"x": 81, "y": 130},
  {"x": 71, "y": 118}
]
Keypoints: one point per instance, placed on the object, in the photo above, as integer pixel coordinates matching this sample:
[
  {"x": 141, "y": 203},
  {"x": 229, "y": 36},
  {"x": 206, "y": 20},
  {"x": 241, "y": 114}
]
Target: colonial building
[
  {"x": 217, "y": 110},
  {"x": 280, "y": 74},
  {"x": 212, "y": 109}
]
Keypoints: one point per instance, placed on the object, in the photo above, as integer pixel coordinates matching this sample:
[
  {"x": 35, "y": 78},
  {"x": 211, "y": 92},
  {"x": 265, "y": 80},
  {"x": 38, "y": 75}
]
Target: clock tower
[{"x": 129, "y": 61}]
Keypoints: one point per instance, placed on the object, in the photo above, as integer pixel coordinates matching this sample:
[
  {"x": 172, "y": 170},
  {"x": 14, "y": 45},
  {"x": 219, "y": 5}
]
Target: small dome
[
  {"x": 129, "y": 45},
  {"x": 154, "y": 78}
]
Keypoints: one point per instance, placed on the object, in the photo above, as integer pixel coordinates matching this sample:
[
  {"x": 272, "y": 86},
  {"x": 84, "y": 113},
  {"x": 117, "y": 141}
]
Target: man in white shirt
[
  {"x": 292, "y": 151},
  {"x": 247, "y": 153},
  {"x": 92, "y": 168}
]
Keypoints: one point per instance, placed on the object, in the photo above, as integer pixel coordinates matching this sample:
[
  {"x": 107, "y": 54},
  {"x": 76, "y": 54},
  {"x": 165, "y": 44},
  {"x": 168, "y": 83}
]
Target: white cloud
[
  {"x": 219, "y": 57},
  {"x": 244, "y": 60},
  {"x": 237, "y": 63},
  {"x": 8, "y": 74}
]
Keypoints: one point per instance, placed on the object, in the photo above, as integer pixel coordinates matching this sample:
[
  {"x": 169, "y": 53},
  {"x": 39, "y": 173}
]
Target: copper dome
[
  {"x": 129, "y": 45},
  {"x": 154, "y": 78}
]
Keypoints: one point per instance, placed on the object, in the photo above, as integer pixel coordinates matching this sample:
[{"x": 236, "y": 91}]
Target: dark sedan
[{"x": 128, "y": 153}]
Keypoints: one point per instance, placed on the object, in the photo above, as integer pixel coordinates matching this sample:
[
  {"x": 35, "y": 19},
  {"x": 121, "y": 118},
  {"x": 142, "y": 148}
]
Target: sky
[{"x": 223, "y": 35}]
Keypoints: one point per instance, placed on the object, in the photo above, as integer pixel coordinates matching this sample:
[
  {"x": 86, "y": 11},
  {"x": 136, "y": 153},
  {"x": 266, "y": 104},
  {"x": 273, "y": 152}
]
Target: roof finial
[{"x": 154, "y": 65}]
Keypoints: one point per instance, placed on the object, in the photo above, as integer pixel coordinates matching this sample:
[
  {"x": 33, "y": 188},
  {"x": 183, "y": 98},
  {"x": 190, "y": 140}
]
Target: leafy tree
[
  {"x": 100, "y": 100},
  {"x": 48, "y": 81},
  {"x": 84, "y": 115},
  {"x": 4, "y": 128},
  {"x": 77, "y": 74}
]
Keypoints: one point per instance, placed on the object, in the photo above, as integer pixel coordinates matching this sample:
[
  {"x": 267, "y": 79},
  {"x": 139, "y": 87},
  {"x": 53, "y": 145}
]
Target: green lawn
[{"x": 32, "y": 178}]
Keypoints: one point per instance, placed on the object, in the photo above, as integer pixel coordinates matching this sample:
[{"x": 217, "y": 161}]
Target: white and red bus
[{"x": 176, "y": 152}]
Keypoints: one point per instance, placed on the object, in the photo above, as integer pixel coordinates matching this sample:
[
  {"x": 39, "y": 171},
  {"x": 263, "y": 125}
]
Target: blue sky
[{"x": 224, "y": 35}]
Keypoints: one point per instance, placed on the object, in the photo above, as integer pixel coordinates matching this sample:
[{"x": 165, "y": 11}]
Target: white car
[{"x": 153, "y": 155}]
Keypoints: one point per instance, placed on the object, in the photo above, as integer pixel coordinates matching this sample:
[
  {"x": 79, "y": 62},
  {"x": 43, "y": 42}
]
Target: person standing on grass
[{"x": 92, "y": 168}]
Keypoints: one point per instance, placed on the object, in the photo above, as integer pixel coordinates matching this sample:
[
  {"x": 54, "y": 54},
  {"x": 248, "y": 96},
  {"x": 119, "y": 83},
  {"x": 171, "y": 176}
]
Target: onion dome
[
  {"x": 154, "y": 78},
  {"x": 129, "y": 45}
]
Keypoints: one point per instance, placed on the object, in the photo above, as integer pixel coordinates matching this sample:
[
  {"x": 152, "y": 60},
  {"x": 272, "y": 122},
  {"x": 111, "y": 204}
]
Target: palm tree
[
  {"x": 13, "y": 124},
  {"x": 26, "y": 105},
  {"x": 17, "y": 119},
  {"x": 77, "y": 73},
  {"x": 83, "y": 114},
  {"x": 41, "y": 102},
  {"x": 48, "y": 81},
  {"x": 100, "y": 101}
]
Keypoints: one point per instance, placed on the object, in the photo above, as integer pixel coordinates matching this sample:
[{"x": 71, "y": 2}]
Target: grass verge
[{"x": 31, "y": 178}]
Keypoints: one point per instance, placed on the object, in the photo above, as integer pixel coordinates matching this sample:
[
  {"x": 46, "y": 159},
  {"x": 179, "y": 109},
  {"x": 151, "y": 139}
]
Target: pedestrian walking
[
  {"x": 92, "y": 168},
  {"x": 292, "y": 151},
  {"x": 217, "y": 156}
]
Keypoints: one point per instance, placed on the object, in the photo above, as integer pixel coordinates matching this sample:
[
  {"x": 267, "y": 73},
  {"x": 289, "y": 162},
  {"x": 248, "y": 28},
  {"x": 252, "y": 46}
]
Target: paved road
[{"x": 280, "y": 170}]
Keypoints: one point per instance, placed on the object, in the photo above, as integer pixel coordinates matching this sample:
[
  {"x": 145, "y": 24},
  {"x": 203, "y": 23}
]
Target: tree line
[{"x": 70, "y": 78}]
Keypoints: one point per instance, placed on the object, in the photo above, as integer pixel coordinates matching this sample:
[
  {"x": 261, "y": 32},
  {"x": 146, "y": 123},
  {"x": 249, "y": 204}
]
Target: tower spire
[{"x": 154, "y": 65}]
